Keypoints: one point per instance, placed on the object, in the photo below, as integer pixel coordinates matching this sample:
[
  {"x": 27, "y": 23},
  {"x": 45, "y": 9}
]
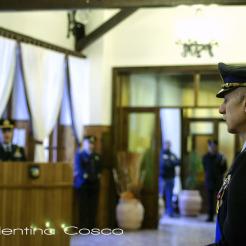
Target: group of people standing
[{"x": 214, "y": 164}]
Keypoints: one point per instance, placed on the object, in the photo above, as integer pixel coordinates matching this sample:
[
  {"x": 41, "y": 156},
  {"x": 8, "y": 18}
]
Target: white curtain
[
  {"x": 44, "y": 80},
  {"x": 7, "y": 66},
  {"x": 19, "y": 104},
  {"x": 79, "y": 91},
  {"x": 65, "y": 115}
]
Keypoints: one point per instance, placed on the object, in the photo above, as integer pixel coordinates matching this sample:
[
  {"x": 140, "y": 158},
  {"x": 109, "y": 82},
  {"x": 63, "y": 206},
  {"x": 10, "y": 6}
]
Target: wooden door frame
[{"x": 118, "y": 110}]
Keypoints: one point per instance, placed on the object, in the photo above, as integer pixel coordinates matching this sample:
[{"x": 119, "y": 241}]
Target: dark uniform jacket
[
  {"x": 214, "y": 167},
  {"x": 168, "y": 161},
  {"x": 232, "y": 205},
  {"x": 87, "y": 168},
  {"x": 12, "y": 153}
]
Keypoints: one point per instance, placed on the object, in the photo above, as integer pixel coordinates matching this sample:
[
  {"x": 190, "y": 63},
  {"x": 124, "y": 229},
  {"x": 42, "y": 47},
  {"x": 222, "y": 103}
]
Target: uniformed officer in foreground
[
  {"x": 231, "y": 204},
  {"x": 9, "y": 151},
  {"x": 87, "y": 171}
]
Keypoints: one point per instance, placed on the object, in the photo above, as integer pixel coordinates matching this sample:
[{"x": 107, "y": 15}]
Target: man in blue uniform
[
  {"x": 168, "y": 161},
  {"x": 9, "y": 151},
  {"x": 231, "y": 204},
  {"x": 87, "y": 171},
  {"x": 214, "y": 165}
]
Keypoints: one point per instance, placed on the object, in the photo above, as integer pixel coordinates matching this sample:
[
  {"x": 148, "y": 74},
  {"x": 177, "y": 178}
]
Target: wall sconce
[
  {"x": 194, "y": 48},
  {"x": 75, "y": 27},
  {"x": 197, "y": 30}
]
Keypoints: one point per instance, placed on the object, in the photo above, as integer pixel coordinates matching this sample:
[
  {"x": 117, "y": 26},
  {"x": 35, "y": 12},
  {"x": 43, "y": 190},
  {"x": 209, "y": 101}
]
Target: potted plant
[
  {"x": 129, "y": 177},
  {"x": 190, "y": 200}
]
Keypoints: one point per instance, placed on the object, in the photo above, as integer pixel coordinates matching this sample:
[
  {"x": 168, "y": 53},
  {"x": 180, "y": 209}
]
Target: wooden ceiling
[{"x": 19, "y": 5}]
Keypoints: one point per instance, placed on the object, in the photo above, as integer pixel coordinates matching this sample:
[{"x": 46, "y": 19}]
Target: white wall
[
  {"x": 95, "y": 52},
  {"x": 147, "y": 38},
  {"x": 48, "y": 26}
]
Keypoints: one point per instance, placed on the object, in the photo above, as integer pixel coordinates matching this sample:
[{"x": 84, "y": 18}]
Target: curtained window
[
  {"x": 79, "y": 94},
  {"x": 7, "y": 67},
  {"x": 43, "y": 72}
]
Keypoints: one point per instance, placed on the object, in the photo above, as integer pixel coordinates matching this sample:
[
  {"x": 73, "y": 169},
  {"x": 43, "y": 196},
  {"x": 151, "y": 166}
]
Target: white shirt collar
[
  {"x": 7, "y": 147},
  {"x": 244, "y": 146},
  {"x": 7, "y": 144}
]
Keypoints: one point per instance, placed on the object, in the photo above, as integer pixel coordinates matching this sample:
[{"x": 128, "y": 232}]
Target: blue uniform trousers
[{"x": 168, "y": 195}]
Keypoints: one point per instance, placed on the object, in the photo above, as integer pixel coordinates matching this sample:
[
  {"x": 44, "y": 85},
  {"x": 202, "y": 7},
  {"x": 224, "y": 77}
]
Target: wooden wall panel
[
  {"x": 66, "y": 144},
  {"x": 26, "y": 202}
]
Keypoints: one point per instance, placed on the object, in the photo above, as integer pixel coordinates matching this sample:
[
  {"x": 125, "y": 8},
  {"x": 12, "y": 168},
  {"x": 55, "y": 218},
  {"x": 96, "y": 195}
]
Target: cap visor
[
  {"x": 222, "y": 92},
  {"x": 6, "y": 128}
]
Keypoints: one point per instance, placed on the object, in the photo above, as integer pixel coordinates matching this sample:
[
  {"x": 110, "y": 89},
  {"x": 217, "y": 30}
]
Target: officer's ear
[{"x": 244, "y": 104}]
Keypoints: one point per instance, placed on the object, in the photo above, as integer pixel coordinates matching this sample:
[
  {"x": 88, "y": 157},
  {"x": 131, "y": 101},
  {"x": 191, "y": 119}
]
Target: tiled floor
[{"x": 172, "y": 232}]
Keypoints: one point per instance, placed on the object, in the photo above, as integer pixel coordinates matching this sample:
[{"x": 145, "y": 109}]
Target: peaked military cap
[
  {"x": 91, "y": 139},
  {"x": 7, "y": 124},
  {"x": 232, "y": 76}
]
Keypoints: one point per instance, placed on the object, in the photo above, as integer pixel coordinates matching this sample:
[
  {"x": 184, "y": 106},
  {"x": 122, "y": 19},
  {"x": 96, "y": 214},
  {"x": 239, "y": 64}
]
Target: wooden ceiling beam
[
  {"x": 37, "y": 42},
  {"x": 105, "y": 27},
  {"x": 21, "y": 5}
]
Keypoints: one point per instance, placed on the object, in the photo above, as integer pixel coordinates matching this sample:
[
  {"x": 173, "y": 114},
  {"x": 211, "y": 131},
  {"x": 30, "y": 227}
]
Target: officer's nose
[{"x": 222, "y": 108}]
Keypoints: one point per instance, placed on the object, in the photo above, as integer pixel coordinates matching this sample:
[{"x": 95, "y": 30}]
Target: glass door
[
  {"x": 196, "y": 135},
  {"x": 142, "y": 136}
]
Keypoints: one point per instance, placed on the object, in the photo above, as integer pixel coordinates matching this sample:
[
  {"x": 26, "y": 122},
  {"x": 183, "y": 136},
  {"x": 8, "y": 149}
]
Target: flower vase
[
  {"x": 129, "y": 214},
  {"x": 190, "y": 202}
]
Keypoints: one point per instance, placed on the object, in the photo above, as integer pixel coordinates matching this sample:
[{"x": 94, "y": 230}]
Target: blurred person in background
[
  {"x": 87, "y": 172},
  {"x": 8, "y": 150},
  {"x": 214, "y": 165},
  {"x": 168, "y": 162}
]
